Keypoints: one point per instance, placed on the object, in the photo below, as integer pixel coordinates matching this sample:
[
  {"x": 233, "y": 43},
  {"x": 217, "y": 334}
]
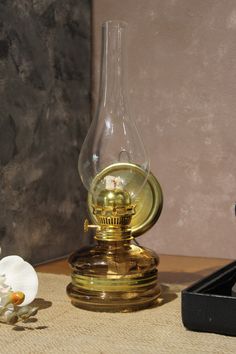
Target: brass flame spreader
[{"x": 113, "y": 211}]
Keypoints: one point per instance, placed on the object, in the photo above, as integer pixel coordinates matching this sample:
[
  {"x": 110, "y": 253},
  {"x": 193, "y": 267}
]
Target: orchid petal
[
  {"x": 20, "y": 276},
  {"x": 8, "y": 262}
]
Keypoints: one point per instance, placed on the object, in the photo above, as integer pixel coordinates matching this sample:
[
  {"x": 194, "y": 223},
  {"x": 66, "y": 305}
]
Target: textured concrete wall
[
  {"x": 44, "y": 116},
  {"x": 182, "y": 89}
]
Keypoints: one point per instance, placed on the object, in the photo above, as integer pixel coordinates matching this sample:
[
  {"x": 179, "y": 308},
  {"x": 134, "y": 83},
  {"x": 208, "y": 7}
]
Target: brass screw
[{"x": 86, "y": 225}]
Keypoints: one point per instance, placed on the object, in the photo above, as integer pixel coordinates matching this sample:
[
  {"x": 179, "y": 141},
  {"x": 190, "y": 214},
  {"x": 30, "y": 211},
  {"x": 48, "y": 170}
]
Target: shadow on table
[
  {"x": 42, "y": 305},
  {"x": 168, "y": 294},
  {"x": 173, "y": 283},
  {"x": 184, "y": 278}
]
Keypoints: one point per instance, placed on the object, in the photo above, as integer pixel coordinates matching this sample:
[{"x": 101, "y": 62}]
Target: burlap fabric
[{"x": 62, "y": 328}]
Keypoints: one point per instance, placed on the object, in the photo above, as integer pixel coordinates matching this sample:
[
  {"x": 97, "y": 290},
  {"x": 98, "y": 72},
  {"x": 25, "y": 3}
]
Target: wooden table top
[{"x": 172, "y": 269}]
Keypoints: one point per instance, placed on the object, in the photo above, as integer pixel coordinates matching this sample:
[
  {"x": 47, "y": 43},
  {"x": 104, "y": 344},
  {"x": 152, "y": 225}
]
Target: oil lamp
[{"x": 124, "y": 198}]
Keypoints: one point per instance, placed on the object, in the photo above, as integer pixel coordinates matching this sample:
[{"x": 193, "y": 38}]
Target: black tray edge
[
  {"x": 211, "y": 277},
  {"x": 204, "y": 312}
]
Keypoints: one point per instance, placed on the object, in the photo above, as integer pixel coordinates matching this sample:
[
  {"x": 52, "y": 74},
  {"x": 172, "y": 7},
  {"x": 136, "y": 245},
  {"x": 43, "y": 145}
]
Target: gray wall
[
  {"x": 182, "y": 90},
  {"x": 44, "y": 116}
]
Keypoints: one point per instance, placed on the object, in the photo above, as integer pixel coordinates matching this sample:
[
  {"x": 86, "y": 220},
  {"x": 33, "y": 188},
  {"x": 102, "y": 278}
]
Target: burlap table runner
[{"x": 62, "y": 328}]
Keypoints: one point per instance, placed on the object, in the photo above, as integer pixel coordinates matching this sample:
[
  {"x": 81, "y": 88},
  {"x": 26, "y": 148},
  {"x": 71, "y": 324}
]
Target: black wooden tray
[{"x": 207, "y": 306}]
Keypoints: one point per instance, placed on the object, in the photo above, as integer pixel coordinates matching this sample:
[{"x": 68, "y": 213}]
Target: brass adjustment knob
[{"x": 87, "y": 226}]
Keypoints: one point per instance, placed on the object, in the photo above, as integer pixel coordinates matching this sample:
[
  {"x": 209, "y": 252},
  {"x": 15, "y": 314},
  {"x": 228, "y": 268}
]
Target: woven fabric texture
[{"x": 61, "y": 328}]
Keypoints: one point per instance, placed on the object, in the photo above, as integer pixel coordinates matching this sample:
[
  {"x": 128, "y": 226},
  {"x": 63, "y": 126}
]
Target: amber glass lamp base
[{"x": 114, "y": 277}]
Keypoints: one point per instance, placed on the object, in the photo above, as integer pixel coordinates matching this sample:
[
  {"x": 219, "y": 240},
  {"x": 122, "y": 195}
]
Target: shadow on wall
[{"x": 45, "y": 114}]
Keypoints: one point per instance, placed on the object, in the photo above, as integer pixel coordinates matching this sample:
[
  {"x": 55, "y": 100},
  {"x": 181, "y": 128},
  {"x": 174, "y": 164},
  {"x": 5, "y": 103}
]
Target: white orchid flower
[{"x": 19, "y": 276}]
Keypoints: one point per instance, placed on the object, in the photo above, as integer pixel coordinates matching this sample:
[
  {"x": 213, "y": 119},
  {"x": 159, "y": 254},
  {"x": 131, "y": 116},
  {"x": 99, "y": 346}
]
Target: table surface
[
  {"x": 159, "y": 330},
  {"x": 172, "y": 269}
]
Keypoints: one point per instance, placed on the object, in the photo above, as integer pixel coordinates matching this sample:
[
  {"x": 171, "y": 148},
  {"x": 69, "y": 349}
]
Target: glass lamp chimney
[{"x": 112, "y": 137}]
